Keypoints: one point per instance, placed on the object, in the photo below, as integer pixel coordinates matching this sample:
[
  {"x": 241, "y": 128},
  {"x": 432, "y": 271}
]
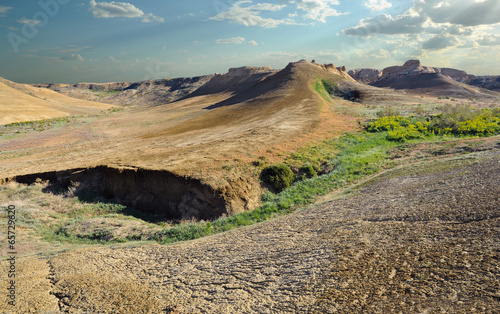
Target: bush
[
  {"x": 307, "y": 171},
  {"x": 279, "y": 176},
  {"x": 388, "y": 112},
  {"x": 459, "y": 120},
  {"x": 466, "y": 120},
  {"x": 268, "y": 196}
]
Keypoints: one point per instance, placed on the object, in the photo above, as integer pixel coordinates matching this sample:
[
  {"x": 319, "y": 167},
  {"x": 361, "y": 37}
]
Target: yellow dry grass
[{"x": 27, "y": 103}]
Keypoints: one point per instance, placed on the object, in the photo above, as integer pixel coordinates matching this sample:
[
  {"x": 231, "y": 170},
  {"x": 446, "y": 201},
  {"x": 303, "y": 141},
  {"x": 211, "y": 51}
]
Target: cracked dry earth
[{"x": 418, "y": 239}]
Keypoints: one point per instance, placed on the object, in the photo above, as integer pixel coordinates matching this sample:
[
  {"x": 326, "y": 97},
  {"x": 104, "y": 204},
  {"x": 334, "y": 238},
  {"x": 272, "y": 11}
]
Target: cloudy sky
[{"x": 74, "y": 41}]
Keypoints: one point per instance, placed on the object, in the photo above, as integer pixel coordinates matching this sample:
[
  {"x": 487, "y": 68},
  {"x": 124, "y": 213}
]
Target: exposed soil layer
[{"x": 151, "y": 191}]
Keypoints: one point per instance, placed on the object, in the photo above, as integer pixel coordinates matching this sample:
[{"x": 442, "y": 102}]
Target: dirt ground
[{"x": 422, "y": 238}]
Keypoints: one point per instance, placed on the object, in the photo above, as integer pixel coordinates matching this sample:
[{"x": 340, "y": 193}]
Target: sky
[{"x": 71, "y": 41}]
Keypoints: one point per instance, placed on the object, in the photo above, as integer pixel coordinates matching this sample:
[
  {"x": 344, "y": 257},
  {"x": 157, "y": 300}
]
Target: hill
[
  {"x": 144, "y": 94},
  {"x": 20, "y": 102},
  {"x": 246, "y": 113},
  {"x": 417, "y": 79}
]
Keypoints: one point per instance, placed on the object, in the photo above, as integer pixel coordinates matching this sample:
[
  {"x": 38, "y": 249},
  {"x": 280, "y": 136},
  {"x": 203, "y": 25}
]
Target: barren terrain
[{"x": 422, "y": 237}]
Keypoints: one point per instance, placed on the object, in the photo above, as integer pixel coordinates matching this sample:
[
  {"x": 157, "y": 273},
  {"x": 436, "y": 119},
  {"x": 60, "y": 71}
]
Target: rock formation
[{"x": 365, "y": 76}]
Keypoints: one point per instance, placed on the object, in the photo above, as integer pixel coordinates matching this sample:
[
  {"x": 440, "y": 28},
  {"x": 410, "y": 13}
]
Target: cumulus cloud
[
  {"x": 435, "y": 24},
  {"x": 252, "y": 43},
  {"x": 491, "y": 40},
  {"x": 436, "y": 16},
  {"x": 235, "y": 40},
  {"x": 318, "y": 10},
  {"x": 460, "y": 12},
  {"x": 3, "y": 10},
  {"x": 29, "y": 22},
  {"x": 440, "y": 42},
  {"x": 72, "y": 57},
  {"x": 385, "y": 24},
  {"x": 377, "y": 5},
  {"x": 121, "y": 9},
  {"x": 249, "y": 15}
]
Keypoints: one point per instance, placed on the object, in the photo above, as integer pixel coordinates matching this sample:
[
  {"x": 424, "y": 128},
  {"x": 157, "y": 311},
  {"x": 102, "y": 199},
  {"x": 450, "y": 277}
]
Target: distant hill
[
  {"x": 144, "y": 93},
  {"x": 21, "y": 102},
  {"x": 415, "y": 78}
]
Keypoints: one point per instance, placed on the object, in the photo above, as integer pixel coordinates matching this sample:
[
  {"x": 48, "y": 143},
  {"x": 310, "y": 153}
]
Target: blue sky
[{"x": 70, "y": 41}]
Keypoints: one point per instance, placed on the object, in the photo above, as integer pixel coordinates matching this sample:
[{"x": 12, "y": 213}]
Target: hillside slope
[
  {"x": 20, "y": 102},
  {"x": 250, "y": 115},
  {"x": 139, "y": 94},
  {"x": 415, "y": 78}
]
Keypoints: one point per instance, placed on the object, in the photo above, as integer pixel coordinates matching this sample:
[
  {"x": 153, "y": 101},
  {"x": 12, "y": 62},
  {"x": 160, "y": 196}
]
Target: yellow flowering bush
[{"x": 458, "y": 120}]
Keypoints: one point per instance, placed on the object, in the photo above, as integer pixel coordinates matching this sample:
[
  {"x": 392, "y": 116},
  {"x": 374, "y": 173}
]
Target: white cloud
[
  {"x": 113, "y": 59},
  {"x": 377, "y": 5},
  {"x": 318, "y": 10},
  {"x": 3, "y": 10},
  {"x": 491, "y": 40},
  {"x": 249, "y": 15},
  {"x": 432, "y": 16},
  {"x": 252, "y": 43},
  {"x": 29, "y": 22},
  {"x": 436, "y": 24},
  {"x": 460, "y": 12},
  {"x": 148, "y": 18},
  {"x": 235, "y": 40},
  {"x": 386, "y": 24},
  {"x": 72, "y": 57},
  {"x": 439, "y": 42},
  {"x": 121, "y": 9}
]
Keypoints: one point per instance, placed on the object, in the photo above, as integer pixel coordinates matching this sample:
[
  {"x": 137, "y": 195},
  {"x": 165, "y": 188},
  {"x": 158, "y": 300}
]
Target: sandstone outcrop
[
  {"x": 411, "y": 67},
  {"x": 365, "y": 76}
]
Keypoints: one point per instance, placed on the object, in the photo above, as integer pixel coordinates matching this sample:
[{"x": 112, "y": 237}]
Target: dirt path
[{"x": 419, "y": 239}]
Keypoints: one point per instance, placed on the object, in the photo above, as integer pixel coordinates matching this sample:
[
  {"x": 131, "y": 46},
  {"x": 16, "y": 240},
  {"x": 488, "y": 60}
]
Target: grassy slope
[{"x": 29, "y": 103}]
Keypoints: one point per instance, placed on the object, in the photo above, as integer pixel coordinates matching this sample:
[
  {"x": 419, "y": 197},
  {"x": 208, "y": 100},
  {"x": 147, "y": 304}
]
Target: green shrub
[
  {"x": 268, "y": 196},
  {"x": 465, "y": 120},
  {"x": 388, "y": 112},
  {"x": 279, "y": 176},
  {"x": 307, "y": 171}
]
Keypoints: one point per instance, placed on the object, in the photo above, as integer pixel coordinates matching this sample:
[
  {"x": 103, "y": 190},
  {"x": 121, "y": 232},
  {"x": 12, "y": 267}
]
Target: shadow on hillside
[{"x": 98, "y": 203}]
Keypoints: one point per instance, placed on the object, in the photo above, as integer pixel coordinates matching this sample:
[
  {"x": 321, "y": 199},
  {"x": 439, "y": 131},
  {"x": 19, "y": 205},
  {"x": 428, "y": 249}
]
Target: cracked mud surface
[{"x": 418, "y": 239}]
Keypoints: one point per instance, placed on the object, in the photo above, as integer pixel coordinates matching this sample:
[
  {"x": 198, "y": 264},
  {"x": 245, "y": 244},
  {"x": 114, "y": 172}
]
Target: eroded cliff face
[
  {"x": 411, "y": 67},
  {"x": 162, "y": 193}
]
